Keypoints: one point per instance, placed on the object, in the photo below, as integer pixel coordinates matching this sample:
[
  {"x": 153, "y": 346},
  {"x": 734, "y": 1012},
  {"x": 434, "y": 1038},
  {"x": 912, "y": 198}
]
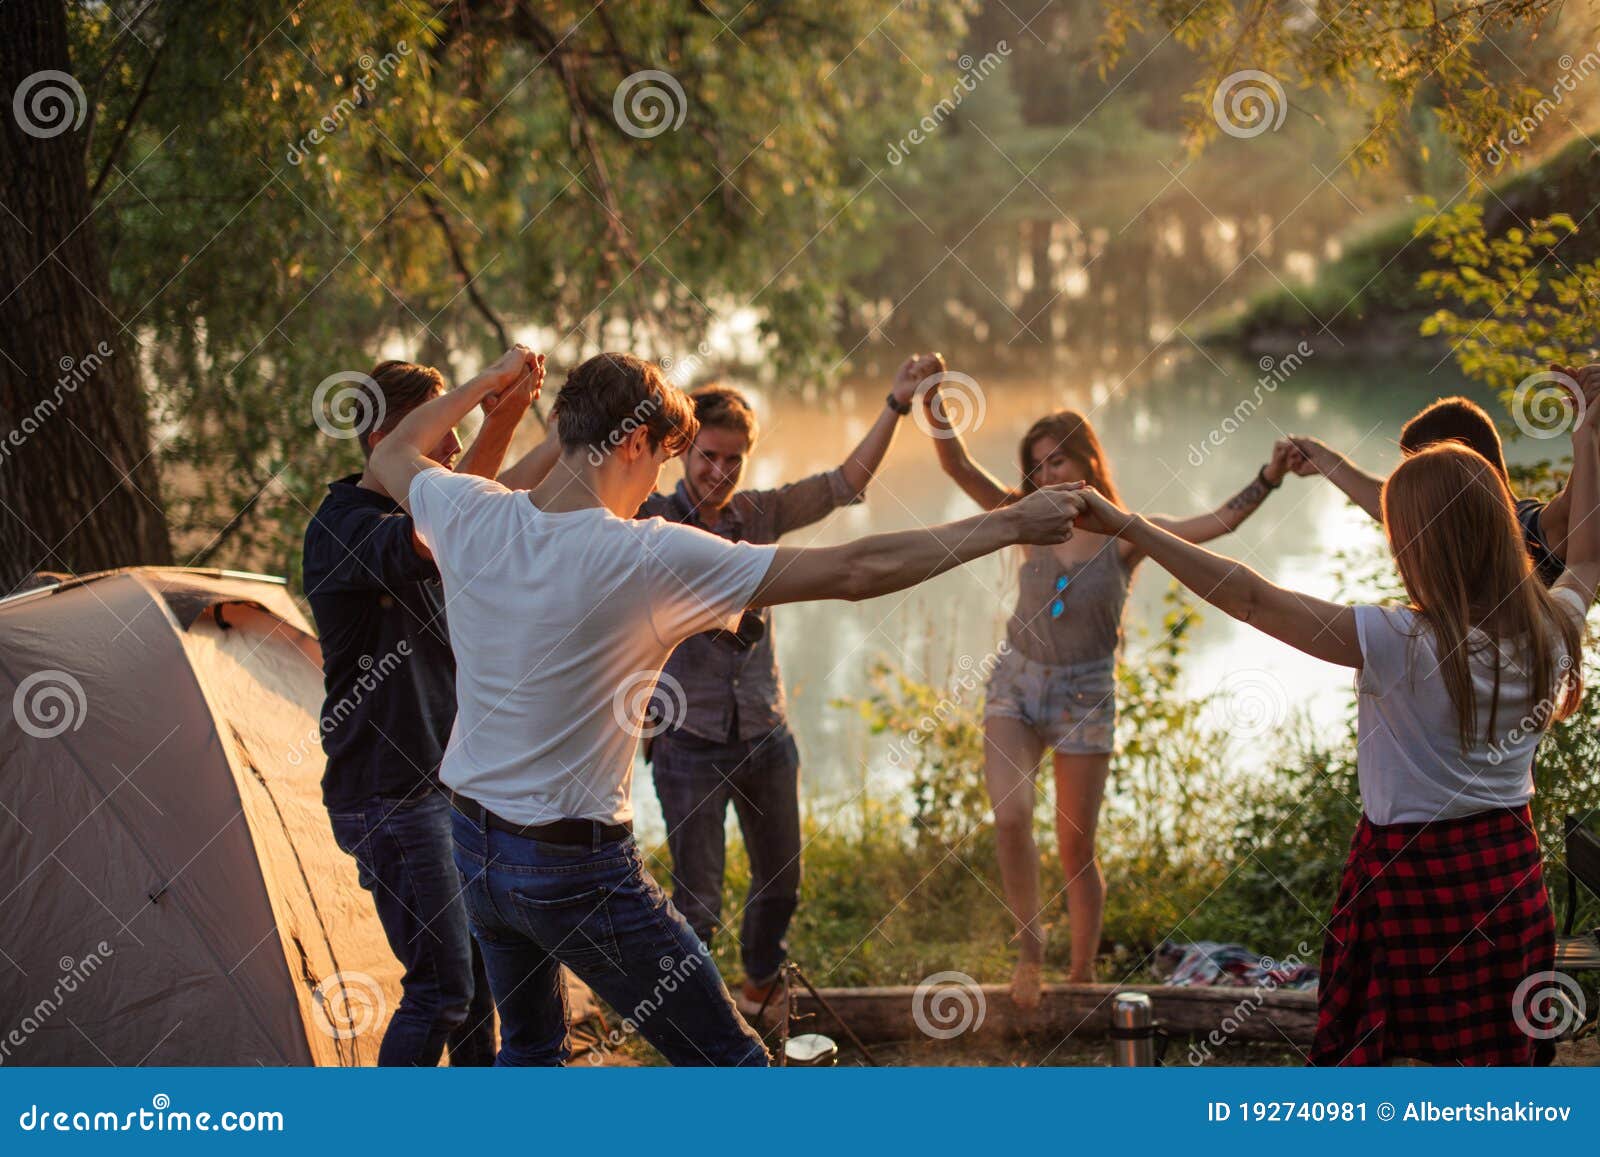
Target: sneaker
[{"x": 752, "y": 996}]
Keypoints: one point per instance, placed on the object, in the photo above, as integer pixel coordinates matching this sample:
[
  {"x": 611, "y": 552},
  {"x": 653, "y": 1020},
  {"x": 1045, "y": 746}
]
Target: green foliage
[
  {"x": 1438, "y": 64},
  {"x": 1520, "y": 305},
  {"x": 289, "y": 193}
]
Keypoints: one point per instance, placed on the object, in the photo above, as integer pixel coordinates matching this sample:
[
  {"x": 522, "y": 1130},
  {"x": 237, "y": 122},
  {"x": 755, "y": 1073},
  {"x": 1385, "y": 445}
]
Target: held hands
[
  {"x": 913, "y": 371},
  {"x": 512, "y": 382},
  {"x": 1281, "y": 463},
  {"x": 1303, "y": 456},
  {"x": 1045, "y": 517},
  {"x": 1586, "y": 399},
  {"x": 1100, "y": 515}
]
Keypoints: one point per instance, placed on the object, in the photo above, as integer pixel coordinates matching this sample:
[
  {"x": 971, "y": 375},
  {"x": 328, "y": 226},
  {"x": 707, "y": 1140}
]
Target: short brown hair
[
  {"x": 1455, "y": 420},
  {"x": 609, "y": 396},
  {"x": 725, "y": 408},
  {"x": 396, "y": 389}
]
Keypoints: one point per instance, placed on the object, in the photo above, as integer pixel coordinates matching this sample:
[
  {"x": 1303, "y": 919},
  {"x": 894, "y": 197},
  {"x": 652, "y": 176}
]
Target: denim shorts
[{"x": 1073, "y": 709}]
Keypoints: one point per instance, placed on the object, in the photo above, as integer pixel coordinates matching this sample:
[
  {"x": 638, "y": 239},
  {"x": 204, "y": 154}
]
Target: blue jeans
[
  {"x": 402, "y": 850},
  {"x": 696, "y": 779},
  {"x": 535, "y": 906}
]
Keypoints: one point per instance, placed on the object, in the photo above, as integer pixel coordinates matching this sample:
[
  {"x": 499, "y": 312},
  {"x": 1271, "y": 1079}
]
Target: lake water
[{"x": 1154, "y": 427}]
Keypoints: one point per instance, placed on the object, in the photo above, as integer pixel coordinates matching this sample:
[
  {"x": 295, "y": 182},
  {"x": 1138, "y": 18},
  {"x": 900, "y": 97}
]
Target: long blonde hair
[
  {"x": 1455, "y": 540},
  {"x": 1076, "y": 438}
]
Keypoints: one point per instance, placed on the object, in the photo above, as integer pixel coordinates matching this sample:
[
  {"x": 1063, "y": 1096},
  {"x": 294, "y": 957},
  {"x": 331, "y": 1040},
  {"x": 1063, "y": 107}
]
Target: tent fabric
[{"x": 170, "y": 892}]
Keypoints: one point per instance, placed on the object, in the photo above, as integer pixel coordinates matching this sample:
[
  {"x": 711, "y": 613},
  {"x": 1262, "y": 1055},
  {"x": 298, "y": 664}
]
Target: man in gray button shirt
[{"x": 720, "y": 698}]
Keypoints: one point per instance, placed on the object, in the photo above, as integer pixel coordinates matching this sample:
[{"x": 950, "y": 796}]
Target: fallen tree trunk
[{"x": 901, "y": 1013}]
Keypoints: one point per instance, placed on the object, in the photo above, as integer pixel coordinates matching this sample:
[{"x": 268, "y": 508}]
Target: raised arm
[
  {"x": 1317, "y": 627},
  {"x": 980, "y": 486},
  {"x": 503, "y": 412},
  {"x": 1555, "y": 520},
  {"x": 534, "y": 466},
  {"x": 882, "y": 563},
  {"x": 1228, "y": 516},
  {"x": 1365, "y": 490},
  {"x": 868, "y": 455},
  {"x": 400, "y": 455},
  {"x": 1582, "y": 533}
]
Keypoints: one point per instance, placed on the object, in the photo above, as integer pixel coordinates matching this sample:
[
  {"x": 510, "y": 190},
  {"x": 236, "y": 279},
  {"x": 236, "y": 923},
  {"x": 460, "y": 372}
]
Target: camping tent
[{"x": 170, "y": 892}]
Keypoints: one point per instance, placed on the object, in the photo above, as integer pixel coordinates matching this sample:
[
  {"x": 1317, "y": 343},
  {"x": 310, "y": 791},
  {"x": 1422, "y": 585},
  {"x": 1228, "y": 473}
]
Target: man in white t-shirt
[{"x": 563, "y": 609}]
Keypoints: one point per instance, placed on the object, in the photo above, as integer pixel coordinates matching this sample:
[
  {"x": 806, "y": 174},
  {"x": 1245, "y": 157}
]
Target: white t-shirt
[
  {"x": 560, "y": 624},
  {"x": 1408, "y": 754}
]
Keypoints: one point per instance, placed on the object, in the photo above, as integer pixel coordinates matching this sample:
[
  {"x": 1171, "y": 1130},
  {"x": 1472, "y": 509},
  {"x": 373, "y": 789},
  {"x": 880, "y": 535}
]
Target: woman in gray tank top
[{"x": 1054, "y": 686}]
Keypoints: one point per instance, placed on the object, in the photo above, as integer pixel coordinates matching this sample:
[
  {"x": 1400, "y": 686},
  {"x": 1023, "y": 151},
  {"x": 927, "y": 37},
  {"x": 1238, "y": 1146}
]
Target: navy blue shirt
[
  {"x": 386, "y": 662},
  {"x": 1546, "y": 564}
]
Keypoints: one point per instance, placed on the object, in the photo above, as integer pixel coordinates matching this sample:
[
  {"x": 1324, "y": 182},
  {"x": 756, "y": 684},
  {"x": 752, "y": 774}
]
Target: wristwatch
[
  {"x": 1261, "y": 477},
  {"x": 901, "y": 408}
]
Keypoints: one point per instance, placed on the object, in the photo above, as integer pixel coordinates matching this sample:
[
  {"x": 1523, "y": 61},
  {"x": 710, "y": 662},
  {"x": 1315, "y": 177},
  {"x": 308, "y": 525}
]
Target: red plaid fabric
[{"x": 1435, "y": 926}]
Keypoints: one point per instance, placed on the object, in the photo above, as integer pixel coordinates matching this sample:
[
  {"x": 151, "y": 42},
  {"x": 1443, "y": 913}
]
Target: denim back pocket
[{"x": 576, "y": 929}]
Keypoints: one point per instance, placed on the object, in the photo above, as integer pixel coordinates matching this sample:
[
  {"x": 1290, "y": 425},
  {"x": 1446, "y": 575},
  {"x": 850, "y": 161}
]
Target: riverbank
[{"x": 1366, "y": 302}]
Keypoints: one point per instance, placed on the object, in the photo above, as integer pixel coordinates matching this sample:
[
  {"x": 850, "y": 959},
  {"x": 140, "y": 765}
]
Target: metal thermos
[{"x": 1132, "y": 1031}]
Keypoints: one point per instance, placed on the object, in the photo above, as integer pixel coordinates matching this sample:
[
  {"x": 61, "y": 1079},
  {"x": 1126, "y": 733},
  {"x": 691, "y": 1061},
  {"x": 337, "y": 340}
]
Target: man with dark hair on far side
[{"x": 390, "y": 680}]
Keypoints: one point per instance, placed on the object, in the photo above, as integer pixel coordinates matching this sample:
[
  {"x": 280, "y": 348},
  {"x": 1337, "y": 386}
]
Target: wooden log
[{"x": 898, "y": 1013}]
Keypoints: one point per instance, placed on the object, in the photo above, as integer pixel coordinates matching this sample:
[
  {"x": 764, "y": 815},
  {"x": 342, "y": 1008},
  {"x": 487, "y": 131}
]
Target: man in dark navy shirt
[{"x": 390, "y": 681}]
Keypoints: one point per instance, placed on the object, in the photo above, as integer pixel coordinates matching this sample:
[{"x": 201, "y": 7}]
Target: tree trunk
[{"x": 78, "y": 489}]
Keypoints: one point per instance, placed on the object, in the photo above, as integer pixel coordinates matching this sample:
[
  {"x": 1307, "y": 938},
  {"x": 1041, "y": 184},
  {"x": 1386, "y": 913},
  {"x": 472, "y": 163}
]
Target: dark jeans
[
  {"x": 535, "y": 906},
  {"x": 695, "y": 781},
  {"x": 402, "y": 848}
]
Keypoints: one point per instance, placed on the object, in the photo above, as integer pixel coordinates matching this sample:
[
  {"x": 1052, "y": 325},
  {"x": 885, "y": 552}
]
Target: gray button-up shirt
[{"x": 721, "y": 679}]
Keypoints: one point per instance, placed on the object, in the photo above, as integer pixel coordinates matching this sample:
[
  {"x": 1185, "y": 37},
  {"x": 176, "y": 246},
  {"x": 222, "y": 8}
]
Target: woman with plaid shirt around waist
[{"x": 1442, "y": 926}]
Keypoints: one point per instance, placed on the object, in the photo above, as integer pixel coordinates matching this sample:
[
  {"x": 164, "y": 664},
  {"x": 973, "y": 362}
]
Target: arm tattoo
[{"x": 1250, "y": 497}]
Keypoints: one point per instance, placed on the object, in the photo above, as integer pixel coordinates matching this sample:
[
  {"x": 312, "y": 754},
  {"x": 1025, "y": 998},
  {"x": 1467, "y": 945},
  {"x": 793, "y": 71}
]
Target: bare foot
[{"x": 1025, "y": 985}]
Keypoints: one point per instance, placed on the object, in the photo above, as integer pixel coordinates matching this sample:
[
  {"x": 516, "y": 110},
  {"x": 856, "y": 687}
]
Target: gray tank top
[{"x": 1089, "y": 600}]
